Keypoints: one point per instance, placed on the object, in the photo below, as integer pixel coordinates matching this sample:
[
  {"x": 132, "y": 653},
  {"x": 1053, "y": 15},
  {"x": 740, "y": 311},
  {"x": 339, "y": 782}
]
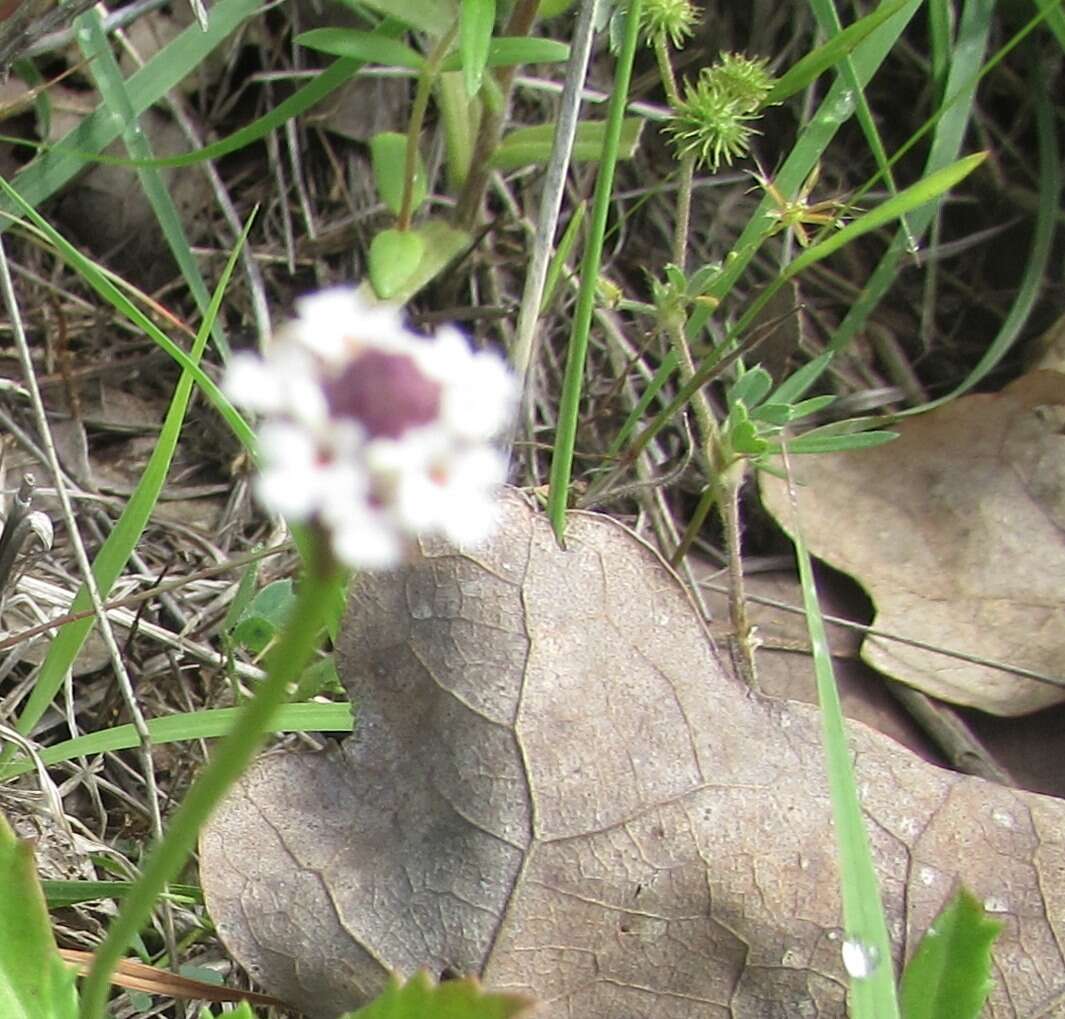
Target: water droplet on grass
[{"x": 860, "y": 960}]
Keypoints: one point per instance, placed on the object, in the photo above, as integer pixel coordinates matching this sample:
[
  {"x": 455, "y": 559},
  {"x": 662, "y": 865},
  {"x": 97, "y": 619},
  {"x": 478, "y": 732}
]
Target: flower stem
[
  {"x": 417, "y": 117},
  {"x": 294, "y": 649}
]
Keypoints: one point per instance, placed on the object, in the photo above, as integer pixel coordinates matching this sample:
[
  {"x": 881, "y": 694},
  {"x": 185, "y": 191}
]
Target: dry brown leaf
[
  {"x": 783, "y": 658},
  {"x": 555, "y": 786},
  {"x": 957, "y": 531}
]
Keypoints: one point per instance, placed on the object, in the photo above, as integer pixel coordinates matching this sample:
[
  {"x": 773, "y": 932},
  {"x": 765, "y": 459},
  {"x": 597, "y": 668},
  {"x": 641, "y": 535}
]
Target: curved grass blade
[
  {"x": 100, "y": 280},
  {"x": 815, "y": 63},
  {"x": 114, "y": 95},
  {"x": 116, "y": 549},
  {"x": 867, "y": 950},
  {"x": 208, "y": 724},
  {"x": 43, "y": 176},
  {"x": 565, "y": 437}
]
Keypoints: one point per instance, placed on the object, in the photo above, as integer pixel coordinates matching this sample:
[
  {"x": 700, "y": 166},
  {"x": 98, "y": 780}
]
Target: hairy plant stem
[
  {"x": 724, "y": 479},
  {"x": 492, "y": 121},
  {"x": 414, "y": 129},
  {"x": 682, "y": 217},
  {"x": 228, "y": 762}
]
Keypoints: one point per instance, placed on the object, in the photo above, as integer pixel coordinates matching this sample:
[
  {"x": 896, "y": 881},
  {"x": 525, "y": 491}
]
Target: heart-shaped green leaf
[{"x": 394, "y": 256}]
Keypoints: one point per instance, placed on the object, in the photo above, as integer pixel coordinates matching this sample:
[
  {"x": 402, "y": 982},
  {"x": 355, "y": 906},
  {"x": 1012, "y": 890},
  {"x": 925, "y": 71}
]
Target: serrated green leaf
[
  {"x": 949, "y": 976},
  {"x": 366, "y": 46},
  {"x": 421, "y": 998},
  {"x": 477, "y": 19},
  {"x": 388, "y": 156},
  {"x": 510, "y": 50},
  {"x": 531, "y": 146},
  {"x": 394, "y": 256},
  {"x": 34, "y": 982}
]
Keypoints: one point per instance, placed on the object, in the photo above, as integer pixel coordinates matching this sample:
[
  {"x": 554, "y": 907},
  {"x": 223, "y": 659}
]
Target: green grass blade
[
  {"x": 920, "y": 198},
  {"x": 872, "y": 995},
  {"x": 970, "y": 50},
  {"x": 569, "y": 405},
  {"x": 828, "y": 20},
  {"x": 59, "y": 893},
  {"x": 207, "y": 724},
  {"x": 115, "y": 551},
  {"x": 366, "y": 47},
  {"x": 841, "y": 43},
  {"x": 96, "y": 48},
  {"x": 46, "y": 174},
  {"x": 1037, "y": 268}
]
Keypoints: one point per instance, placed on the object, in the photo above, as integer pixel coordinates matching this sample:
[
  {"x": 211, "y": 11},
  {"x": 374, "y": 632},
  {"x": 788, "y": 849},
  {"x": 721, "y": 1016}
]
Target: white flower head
[{"x": 374, "y": 433}]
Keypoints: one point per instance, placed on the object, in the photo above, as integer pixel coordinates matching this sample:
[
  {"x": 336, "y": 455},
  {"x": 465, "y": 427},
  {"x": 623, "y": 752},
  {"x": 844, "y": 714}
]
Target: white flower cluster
[{"x": 373, "y": 433}]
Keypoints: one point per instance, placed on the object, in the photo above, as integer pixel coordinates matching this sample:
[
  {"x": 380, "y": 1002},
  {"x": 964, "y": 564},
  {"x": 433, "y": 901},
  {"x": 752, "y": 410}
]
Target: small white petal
[
  {"x": 480, "y": 406},
  {"x": 368, "y": 542},
  {"x": 250, "y": 383}
]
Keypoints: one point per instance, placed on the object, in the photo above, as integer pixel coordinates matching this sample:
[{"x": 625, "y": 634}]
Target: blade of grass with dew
[
  {"x": 924, "y": 191},
  {"x": 192, "y": 725},
  {"x": 101, "y": 280},
  {"x": 43, "y": 176},
  {"x": 569, "y": 405},
  {"x": 96, "y": 48},
  {"x": 829, "y": 23},
  {"x": 967, "y": 59},
  {"x": 841, "y": 41},
  {"x": 872, "y": 988},
  {"x": 116, "y": 549}
]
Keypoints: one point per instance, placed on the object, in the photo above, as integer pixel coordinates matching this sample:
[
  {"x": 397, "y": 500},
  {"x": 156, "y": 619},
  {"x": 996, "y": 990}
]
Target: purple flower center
[{"x": 385, "y": 393}]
